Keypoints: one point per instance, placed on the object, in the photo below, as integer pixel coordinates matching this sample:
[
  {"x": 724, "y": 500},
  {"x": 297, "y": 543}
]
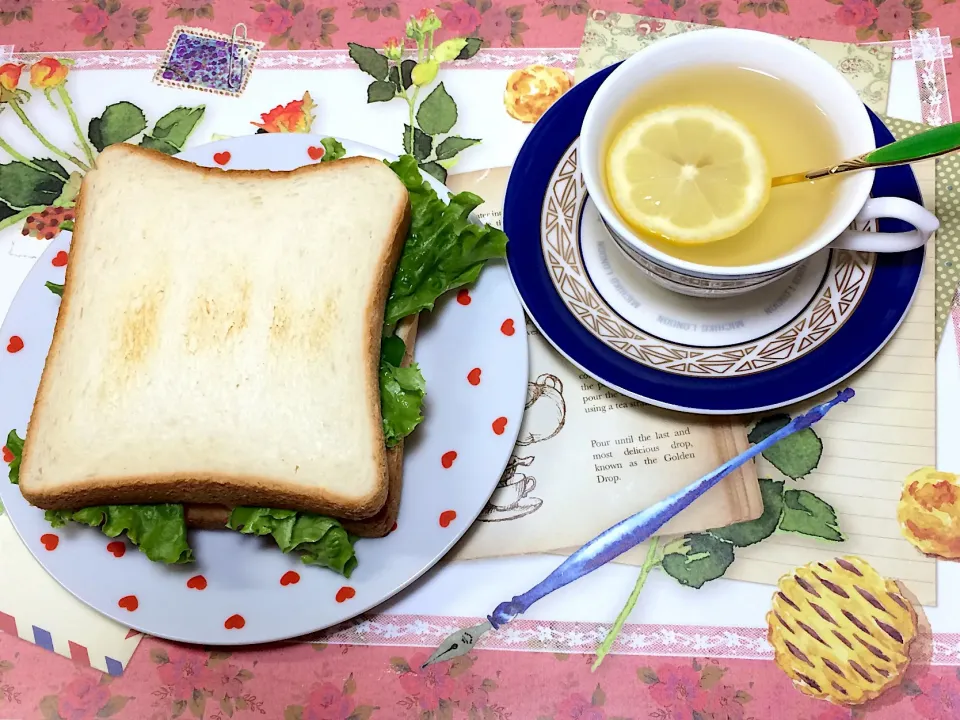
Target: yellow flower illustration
[
  {"x": 929, "y": 512},
  {"x": 48, "y": 73},
  {"x": 531, "y": 91},
  {"x": 295, "y": 116}
]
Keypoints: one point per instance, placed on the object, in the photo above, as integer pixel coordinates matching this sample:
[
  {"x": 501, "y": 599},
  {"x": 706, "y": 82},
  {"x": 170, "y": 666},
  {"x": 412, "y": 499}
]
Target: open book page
[{"x": 587, "y": 456}]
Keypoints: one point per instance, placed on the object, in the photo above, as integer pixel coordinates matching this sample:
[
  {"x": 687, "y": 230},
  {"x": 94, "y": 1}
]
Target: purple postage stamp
[{"x": 202, "y": 59}]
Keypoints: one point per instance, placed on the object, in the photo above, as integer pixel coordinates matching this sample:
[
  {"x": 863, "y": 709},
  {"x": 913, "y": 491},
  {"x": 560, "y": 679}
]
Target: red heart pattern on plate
[
  {"x": 197, "y": 582},
  {"x": 222, "y": 158},
  {"x": 50, "y": 541},
  {"x": 473, "y": 377},
  {"x": 60, "y": 259},
  {"x": 447, "y": 517},
  {"x": 463, "y": 297},
  {"x": 234, "y": 622},
  {"x": 290, "y": 577},
  {"x": 7, "y": 454},
  {"x": 15, "y": 344},
  {"x": 499, "y": 425},
  {"x": 345, "y": 593},
  {"x": 316, "y": 153},
  {"x": 129, "y": 603},
  {"x": 117, "y": 547},
  {"x": 447, "y": 459},
  {"x": 507, "y": 328}
]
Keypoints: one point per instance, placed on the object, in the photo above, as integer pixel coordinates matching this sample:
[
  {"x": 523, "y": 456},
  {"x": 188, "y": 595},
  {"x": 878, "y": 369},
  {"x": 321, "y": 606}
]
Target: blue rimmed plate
[{"x": 812, "y": 330}]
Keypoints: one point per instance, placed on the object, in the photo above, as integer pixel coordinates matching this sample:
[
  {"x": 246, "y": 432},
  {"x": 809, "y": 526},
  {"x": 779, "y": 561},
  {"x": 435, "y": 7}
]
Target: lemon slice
[{"x": 690, "y": 174}]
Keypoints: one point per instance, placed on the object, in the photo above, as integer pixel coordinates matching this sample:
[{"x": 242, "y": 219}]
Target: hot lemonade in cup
[{"x": 794, "y": 135}]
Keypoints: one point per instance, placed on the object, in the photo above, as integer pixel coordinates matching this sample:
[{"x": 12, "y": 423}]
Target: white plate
[{"x": 242, "y": 573}]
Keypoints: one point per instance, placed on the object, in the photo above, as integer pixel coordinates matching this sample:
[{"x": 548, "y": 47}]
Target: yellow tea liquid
[{"x": 794, "y": 136}]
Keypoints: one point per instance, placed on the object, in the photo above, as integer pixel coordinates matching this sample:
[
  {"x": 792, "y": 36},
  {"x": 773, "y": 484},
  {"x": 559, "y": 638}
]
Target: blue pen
[{"x": 621, "y": 537}]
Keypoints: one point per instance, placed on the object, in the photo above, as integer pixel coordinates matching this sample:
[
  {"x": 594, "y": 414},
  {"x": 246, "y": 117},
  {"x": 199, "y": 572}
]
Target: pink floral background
[
  {"x": 313, "y": 682},
  {"x": 340, "y": 682},
  {"x": 52, "y": 25}
]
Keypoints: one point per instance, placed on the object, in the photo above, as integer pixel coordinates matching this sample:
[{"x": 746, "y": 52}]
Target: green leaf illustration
[
  {"x": 698, "y": 558},
  {"x": 406, "y": 72},
  {"x": 119, "y": 122},
  {"x": 647, "y": 675},
  {"x": 420, "y": 145},
  {"x": 15, "y": 446},
  {"x": 470, "y": 49},
  {"x": 438, "y": 113},
  {"x": 55, "y": 288},
  {"x": 113, "y": 706},
  {"x": 22, "y": 186},
  {"x": 369, "y": 60},
  {"x": 805, "y": 513},
  {"x": 753, "y": 531},
  {"x": 453, "y": 145},
  {"x": 175, "y": 127},
  {"x": 438, "y": 171},
  {"x": 394, "y": 77},
  {"x": 381, "y": 91},
  {"x": 152, "y": 143},
  {"x": 795, "y": 456},
  {"x": 599, "y": 697}
]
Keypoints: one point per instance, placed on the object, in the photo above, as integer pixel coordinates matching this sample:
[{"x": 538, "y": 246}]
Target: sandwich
[{"x": 235, "y": 349}]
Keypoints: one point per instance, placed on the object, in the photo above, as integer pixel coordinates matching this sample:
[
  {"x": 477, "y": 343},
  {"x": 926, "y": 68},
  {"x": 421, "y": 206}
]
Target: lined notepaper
[{"x": 870, "y": 445}]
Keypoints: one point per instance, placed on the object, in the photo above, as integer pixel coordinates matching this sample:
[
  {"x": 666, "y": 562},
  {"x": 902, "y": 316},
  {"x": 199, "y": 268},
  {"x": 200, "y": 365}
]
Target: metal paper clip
[{"x": 238, "y": 57}]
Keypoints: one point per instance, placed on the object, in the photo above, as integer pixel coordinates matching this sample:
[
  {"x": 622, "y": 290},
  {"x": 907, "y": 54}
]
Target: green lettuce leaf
[
  {"x": 333, "y": 149},
  {"x": 15, "y": 446},
  {"x": 444, "y": 250},
  {"x": 160, "y": 531},
  {"x": 320, "y": 540},
  {"x": 401, "y": 392}
]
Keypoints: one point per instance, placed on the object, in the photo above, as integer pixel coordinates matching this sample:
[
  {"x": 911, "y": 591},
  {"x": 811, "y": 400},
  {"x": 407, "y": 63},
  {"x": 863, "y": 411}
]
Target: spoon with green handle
[{"x": 922, "y": 146}]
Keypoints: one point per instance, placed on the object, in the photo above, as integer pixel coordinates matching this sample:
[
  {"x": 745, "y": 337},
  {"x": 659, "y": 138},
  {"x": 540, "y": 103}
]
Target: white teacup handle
[{"x": 895, "y": 208}]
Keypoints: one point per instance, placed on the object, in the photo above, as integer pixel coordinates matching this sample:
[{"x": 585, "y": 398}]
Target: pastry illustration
[
  {"x": 841, "y": 631},
  {"x": 929, "y": 512},
  {"x": 531, "y": 91},
  {"x": 545, "y": 412}
]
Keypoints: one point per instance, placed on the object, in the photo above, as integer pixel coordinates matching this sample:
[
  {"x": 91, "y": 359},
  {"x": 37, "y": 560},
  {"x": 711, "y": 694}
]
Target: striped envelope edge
[{"x": 35, "y": 608}]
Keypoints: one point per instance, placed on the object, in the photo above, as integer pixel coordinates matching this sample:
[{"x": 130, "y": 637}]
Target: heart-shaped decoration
[
  {"x": 507, "y": 328},
  {"x": 315, "y": 152},
  {"x": 129, "y": 603},
  {"x": 234, "y": 622},
  {"x": 117, "y": 547},
  {"x": 290, "y": 577},
  {"x": 393, "y": 528},
  {"x": 447, "y": 458},
  {"x": 15, "y": 344},
  {"x": 222, "y": 158},
  {"x": 473, "y": 377},
  {"x": 197, "y": 582},
  {"x": 447, "y": 517},
  {"x": 7, "y": 454},
  {"x": 60, "y": 259},
  {"x": 50, "y": 541},
  {"x": 463, "y": 297},
  {"x": 345, "y": 593},
  {"x": 499, "y": 425}
]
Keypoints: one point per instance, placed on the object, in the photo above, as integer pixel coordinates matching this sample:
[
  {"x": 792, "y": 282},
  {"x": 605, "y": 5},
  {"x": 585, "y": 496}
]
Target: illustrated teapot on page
[{"x": 545, "y": 412}]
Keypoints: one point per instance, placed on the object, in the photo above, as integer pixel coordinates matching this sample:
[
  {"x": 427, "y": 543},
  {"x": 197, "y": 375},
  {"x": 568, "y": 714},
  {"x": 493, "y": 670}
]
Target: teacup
[
  {"x": 511, "y": 492},
  {"x": 811, "y": 75}
]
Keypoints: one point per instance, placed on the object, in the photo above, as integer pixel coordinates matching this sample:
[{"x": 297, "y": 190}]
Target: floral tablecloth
[{"x": 343, "y": 682}]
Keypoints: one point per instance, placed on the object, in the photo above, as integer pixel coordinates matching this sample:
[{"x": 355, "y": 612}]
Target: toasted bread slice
[
  {"x": 218, "y": 339},
  {"x": 215, "y": 517}
]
